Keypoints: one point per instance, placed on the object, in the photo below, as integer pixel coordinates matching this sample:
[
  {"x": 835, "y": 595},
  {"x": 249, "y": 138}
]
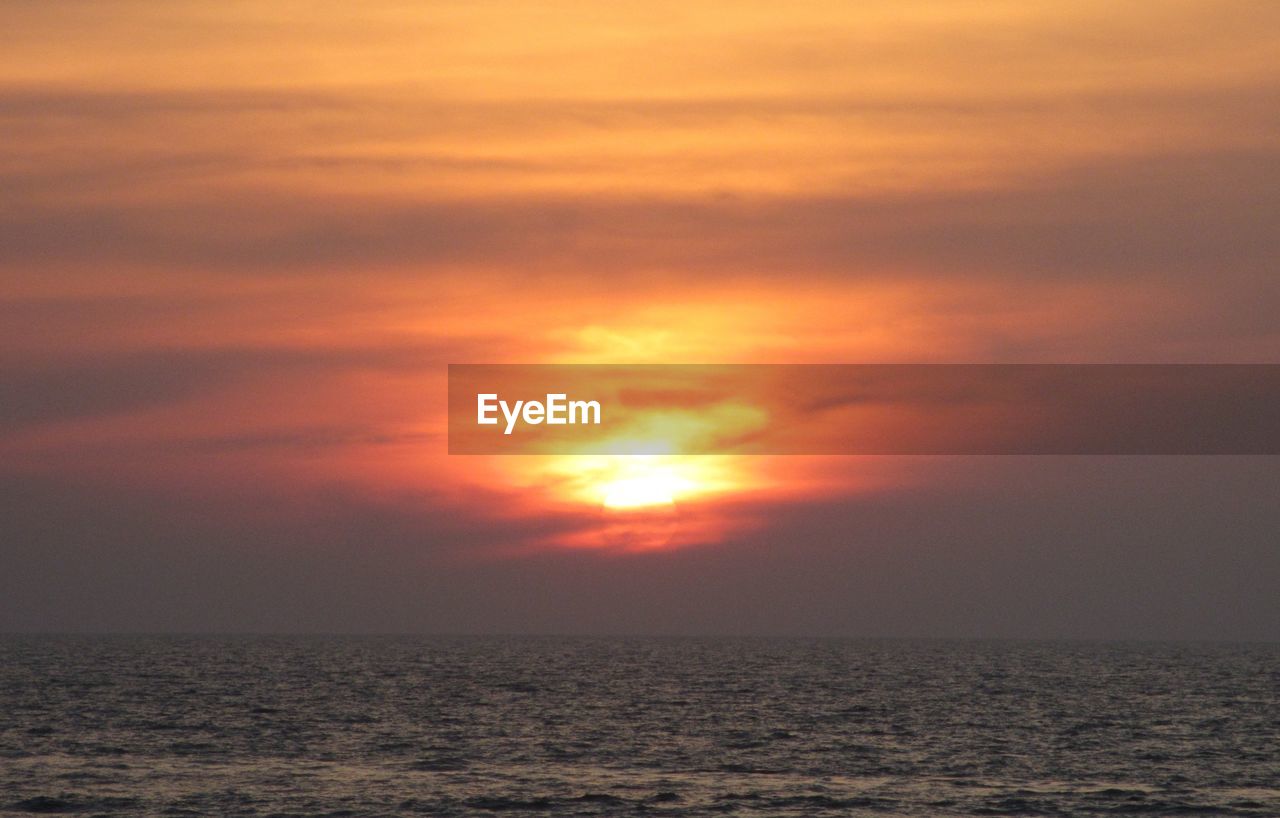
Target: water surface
[{"x": 354, "y": 726}]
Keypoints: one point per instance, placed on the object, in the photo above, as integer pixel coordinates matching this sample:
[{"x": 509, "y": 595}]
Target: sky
[{"x": 241, "y": 242}]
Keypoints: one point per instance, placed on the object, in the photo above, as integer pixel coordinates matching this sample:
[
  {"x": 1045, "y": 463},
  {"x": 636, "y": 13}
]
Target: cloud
[
  {"x": 103, "y": 385},
  {"x": 1173, "y": 218}
]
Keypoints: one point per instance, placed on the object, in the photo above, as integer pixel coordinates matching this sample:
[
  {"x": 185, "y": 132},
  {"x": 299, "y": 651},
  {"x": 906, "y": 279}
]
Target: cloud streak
[{"x": 1175, "y": 217}]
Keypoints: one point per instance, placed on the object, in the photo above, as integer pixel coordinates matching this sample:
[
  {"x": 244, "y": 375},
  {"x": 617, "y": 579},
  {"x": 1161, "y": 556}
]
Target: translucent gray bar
[{"x": 880, "y": 409}]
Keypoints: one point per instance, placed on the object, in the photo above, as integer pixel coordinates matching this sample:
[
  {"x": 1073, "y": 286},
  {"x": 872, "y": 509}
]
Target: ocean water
[{"x": 355, "y": 726}]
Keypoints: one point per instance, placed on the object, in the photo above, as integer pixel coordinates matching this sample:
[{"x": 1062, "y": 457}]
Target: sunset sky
[{"x": 240, "y": 243}]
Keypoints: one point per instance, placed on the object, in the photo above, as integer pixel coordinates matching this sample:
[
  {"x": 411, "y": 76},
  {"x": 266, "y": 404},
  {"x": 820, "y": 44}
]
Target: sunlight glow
[
  {"x": 635, "y": 492},
  {"x": 633, "y": 481}
]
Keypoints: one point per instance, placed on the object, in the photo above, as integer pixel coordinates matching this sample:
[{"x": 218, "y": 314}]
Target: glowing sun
[
  {"x": 637, "y": 492},
  {"x": 644, "y": 482},
  {"x": 637, "y": 502}
]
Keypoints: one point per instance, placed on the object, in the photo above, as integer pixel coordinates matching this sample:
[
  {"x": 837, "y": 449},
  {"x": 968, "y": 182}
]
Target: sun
[
  {"x": 640, "y": 491},
  {"x": 633, "y": 482},
  {"x": 637, "y": 503},
  {"x": 644, "y": 481}
]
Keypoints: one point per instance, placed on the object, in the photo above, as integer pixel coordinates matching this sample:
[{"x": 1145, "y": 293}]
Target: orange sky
[{"x": 239, "y": 242}]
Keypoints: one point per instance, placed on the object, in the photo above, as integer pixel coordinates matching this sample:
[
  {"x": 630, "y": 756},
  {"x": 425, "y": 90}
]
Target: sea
[{"x": 513, "y": 726}]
